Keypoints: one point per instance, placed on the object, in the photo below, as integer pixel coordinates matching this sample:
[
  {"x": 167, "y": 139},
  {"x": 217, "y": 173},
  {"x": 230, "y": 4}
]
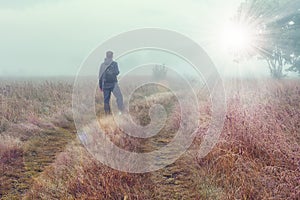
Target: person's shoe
[
  {"x": 107, "y": 113},
  {"x": 120, "y": 113}
]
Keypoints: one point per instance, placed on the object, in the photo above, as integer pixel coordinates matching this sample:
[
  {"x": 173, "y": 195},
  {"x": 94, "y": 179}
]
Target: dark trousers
[{"x": 115, "y": 89}]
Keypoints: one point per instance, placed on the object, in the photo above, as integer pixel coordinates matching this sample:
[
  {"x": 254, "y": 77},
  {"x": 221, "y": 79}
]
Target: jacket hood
[{"x": 108, "y": 61}]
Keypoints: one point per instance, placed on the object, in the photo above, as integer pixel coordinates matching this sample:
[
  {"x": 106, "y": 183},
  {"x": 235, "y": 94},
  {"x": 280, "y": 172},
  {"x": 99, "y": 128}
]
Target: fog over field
[
  {"x": 42, "y": 38},
  {"x": 138, "y": 100}
]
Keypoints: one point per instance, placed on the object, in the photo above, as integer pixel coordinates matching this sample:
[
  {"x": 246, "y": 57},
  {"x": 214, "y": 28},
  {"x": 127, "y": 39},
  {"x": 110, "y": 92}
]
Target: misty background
[{"x": 52, "y": 38}]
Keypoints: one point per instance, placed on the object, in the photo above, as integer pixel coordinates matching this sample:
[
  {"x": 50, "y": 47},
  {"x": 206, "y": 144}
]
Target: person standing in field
[{"x": 108, "y": 82}]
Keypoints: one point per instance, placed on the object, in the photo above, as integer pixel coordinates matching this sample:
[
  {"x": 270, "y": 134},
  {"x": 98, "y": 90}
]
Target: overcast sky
[{"x": 53, "y": 37}]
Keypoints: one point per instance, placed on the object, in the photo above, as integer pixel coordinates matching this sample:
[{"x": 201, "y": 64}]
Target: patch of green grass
[
  {"x": 41, "y": 150},
  {"x": 35, "y": 155}
]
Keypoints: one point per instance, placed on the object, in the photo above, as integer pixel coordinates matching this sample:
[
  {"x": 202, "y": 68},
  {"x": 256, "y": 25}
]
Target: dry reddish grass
[
  {"x": 76, "y": 175},
  {"x": 29, "y": 101},
  {"x": 257, "y": 157},
  {"x": 11, "y": 166},
  {"x": 28, "y": 110}
]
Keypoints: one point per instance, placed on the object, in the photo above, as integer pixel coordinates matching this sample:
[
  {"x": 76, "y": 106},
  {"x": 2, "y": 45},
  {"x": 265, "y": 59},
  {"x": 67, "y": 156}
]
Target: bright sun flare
[{"x": 237, "y": 38}]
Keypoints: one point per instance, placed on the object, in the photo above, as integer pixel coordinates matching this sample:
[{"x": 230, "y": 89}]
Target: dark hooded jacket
[{"x": 112, "y": 66}]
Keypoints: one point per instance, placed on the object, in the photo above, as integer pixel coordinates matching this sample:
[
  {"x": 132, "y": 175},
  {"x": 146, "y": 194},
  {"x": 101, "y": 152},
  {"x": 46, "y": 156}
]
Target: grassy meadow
[{"x": 257, "y": 156}]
